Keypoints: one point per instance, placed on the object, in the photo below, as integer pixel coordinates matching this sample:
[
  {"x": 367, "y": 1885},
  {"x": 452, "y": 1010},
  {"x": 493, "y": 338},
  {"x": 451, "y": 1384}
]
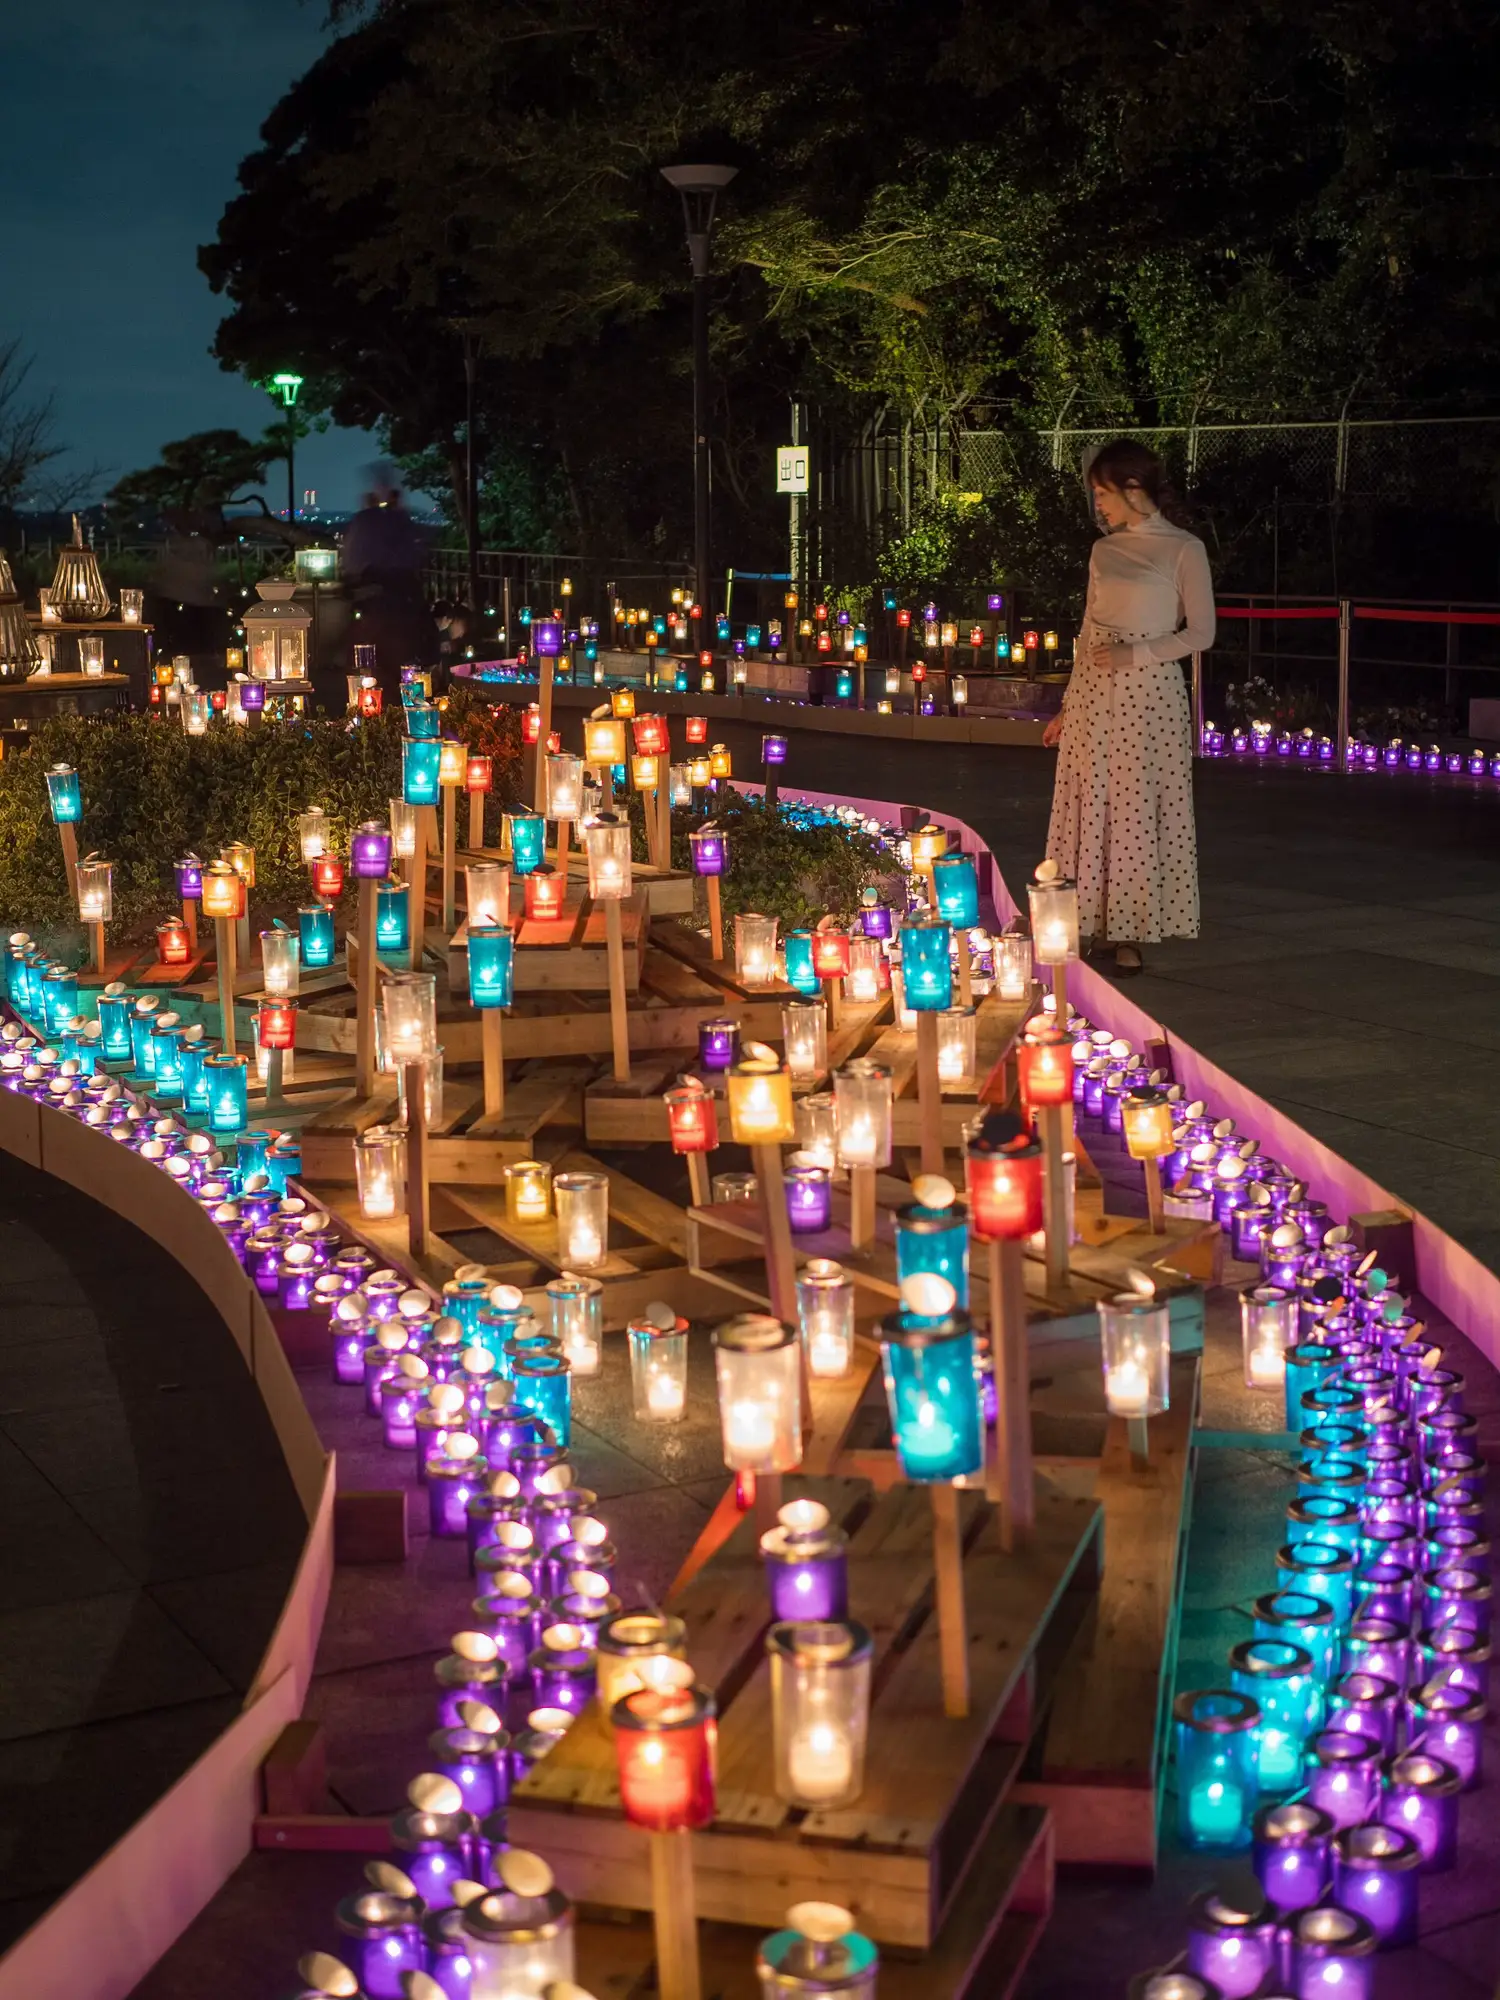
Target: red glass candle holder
[
  {"x": 1044, "y": 1062},
  {"x": 651, "y": 735},
  {"x": 831, "y": 954},
  {"x": 1005, "y": 1189},
  {"x": 328, "y": 878},
  {"x": 546, "y": 891},
  {"x": 664, "y": 1746},
  {"x": 694, "y": 1119},
  {"x": 697, "y": 725},
  {"x": 369, "y": 701},
  {"x": 172, "y": 946},
  {"x": 479, "y": 774},
  {"x": 531, "y": 725},
  {"x": 276, "y": 1024}
]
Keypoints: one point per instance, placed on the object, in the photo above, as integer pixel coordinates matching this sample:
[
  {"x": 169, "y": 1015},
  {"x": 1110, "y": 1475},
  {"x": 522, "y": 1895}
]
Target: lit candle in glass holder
[
  {"x": 797, "y": 958},
  {"x": 755, "y": 949},
  {"x": 577, "y": 1308},
  {"x": 1375, "y": 1871},
  {"x": 387, "y": 1933},
  {"x": 825, "y": 1312},
  {"x": 804, "y": 1029},
  {"x": 544, "y": 1387},
  {"x": 1320, "y": 1517},
  {"x": 528, "y": 1191},
  {"x": 629, "y": 1643},
  {"x": 315, "y": 931},
  {"x": 521, "y": 1937},
  {"x": 866, "y": 961},
  {"x": 926, "y": 966},
  {"x": 692, "y": 1118},
  {"x": 956, "y": 1047},
  {"x": 562, "y": 1669},
  {"x": 809, "y": 1196},
  {"x": 604, "y": 742},
  {"x": 228, "y": 1092},
  {"x": 1268, "y": 1321},
  {"x": 1308, "y": 1366},
  {"x": 1054, "y": 917},
  {"x": 1421, "y": 1799},
  {"x": 664, "y": 1746},
  {"x": 564, "y": 787},
  {"x": 1448, "y": 1721},
  {"x": 1278, "y": 1676},
  {"x": 931, "y": 1383},
  {"x": 1135, "y": 1336},
  {"x": 1292, "y": 1854},
  {"x": 1012, "y": 967},
  {"x": 1343, "y": 1775},
  {"x": 582, "y": 1219},
  {"x": 487, "y": 892},
  {"x": 718, "y": 1043},
  {"x": 863, "y": 1095},
  {"x": 491, "y": 966},
  {"x": 760, "y": 1101},
  {"x": 1231, "y": 1940},
  {"x": 475, "y": 1760},
  {"x": 96, "y": 895},
  {"x": 607, "y": 841},
  {"x": 401, "y": 1393},
  {"x": 1332, "y": 1955},
  {"x": 658, "y": 1365},
  {"x": 421, "y": 760},
  {"x": 760, "y": 1394},
  {"x": 409, "y": 1010},
  {"x": 807, "y": 1564},
  {"x": 528, "y": 847},
  {"x": 1216, "y": 1739},
  {"x": 1322, "y": 1571},
  {"x": 1365, "y": 1704},
  {"x": 820, "y": 1698},
  {"x": 380, "y": 1172},
  {"x": 454, "y": 1476}
]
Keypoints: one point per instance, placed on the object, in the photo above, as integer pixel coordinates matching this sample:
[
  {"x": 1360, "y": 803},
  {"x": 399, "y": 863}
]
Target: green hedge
[
  {"x": 152, "y": 793},
  {"x": 783, "y": 869}
]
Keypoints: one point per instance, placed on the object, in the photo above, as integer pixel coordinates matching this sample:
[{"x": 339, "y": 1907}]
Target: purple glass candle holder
[
  {"x": 508, "y": 1433},
  {"x": 1421, "y": 1798},
  {"x": 1455, "y": 1596},
  {"x": 1364, "y": 1704},
  {"x": 298, "y": 1276},
  {"x": 388, "y": 1934},
  {"x": 1390, "y": 1500},
  {"x": 433, "y": 1850},
  {"x": 1448, "y": 1721},
  {"x": 446, "y": 1944},
  {"x": 370, "y": 852},
  {"x": 399, "y": 1398},
  {"x": 590, "y": 1553},
  {"x": 1250, "y": 1222},
  {"x": 588, "y": 1606},
  {"x": 1435, "y": 1389},
  {"x": 461, "y": 1679},
  {"x": 478, "y": 1764},
  {"x": 718, "y": 1044},
  {"x": 1447, "y": 1435},
  {"x": 1376, "y": 1871},
  {"x": 1292, "y": 1854},
  {"x": 531, "y": 1460},
  {"x": 500, "y": 1502},
  {"x": 1332, "y": 1956},
  {"x": 1343, "y": 1776},
  {"x": 562, "y": 1675},
  {"x": 553, "y": 1515},
  {"x": 1455, "y": 1655},
  {"x": 512, "y": 1553},
  {"x": 1379, "y": 1646},
  {"x": 451, "y": 1484},
  {"x": 809, "y": 1199},
  {"x": 1231, "y": 1942},
  {"x": 512, "y": 1616},
  {"x": 807, "y": 1565},
  {"x": 1385, "y": 1588},
  {"x": 348, "y": 1344},
  {"x": 1455, "y": 1545},
  {"x": 379, "y": 1368},
  {"x": 1460, "y": 1477},
  {"x": 434, "y": 1426}
]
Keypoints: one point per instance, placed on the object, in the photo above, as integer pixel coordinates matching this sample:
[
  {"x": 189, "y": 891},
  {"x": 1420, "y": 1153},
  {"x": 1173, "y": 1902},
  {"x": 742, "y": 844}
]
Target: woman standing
[{"x": 1122, "y": 807}]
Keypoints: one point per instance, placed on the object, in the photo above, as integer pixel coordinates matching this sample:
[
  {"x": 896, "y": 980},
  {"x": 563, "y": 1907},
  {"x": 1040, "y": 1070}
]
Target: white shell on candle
[
  {"x": 389, "y": 1880},
  {"x": 1048, "y": 870},
  {"x": 479, "y": 1716},
  {"x": 391, "y": 1338},
  {"x": 563, "y": 1638},
  {"x": 477, "y": 1646},
  {"x": 413, "y": 1305},
  {"x": 433, "y": 1793},
  {"x": 499, "y": 1396},
  {"x": 509, "y": 1584},
  {"x": 556, "y": 1479},
  {"x": 928, "y": 1295},
  {"x": 933, "y": 1191},
  {"x": 469, "y": 1274},
  {"x": 820, "y": 1923},
  {"x": 1141, "y": 1283},
  {"x": 663, "y": 1674},
  {"x": 464, "y": 1893},
  {"x": 327, "y": 1974},
  {"x": 661, "y": 1316},
  {"x": 460, "y": 1447},
  {"x": 446, "y": 1328},
  {"x": 477, "y": 1361},
  {"x": 803, "y": 1517},
  {"x": 523, "y": 1873},
  {"x": 1285, "y": 1236},
  {"x": 446, "y": 1398},
  {"x": 506, "y": 1298},
  {"x": 413, "y": 1367}
]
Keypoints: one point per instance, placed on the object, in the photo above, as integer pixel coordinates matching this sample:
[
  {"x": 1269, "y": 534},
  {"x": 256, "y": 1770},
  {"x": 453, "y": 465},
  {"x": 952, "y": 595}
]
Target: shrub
[{"x": 787, "y": 869}]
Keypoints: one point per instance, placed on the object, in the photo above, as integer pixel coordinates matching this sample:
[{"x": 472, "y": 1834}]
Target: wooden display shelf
[{"x": 934, "y": 1817}]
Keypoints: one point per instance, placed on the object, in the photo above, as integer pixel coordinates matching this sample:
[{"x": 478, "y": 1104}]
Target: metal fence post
[
  {"x": 1345, "y": 626},
  {"x": 1197, "y": 704}
]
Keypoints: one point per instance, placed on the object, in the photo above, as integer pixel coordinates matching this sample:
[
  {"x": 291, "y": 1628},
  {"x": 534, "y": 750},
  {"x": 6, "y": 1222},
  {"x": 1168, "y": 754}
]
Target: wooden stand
[
  {"x": 929, "y": 1093},
  {"x": 1138, "y": 1430},
  {"x": 450, "y": 860},
  {"x": 665, "y": 836},
  {"x": 224, "y": 937},
  {"x": 1054, "y": 1195},
  {"x": 96, "y": 948},
  {"x": 699, "y": 1183},
  {"x": 781, "y": 1265},
  {"x": 1060, "y": 996},
  {"x": 414, "y": 1076},
  {"x": 242, "y": 931},
  {"x": 715, "y": 917},
  {"x": 544, "y": 730},
  {"x": 364, "y": 994},
  {"x": 861, "y": 1207},
  {"x": 190, "y": 918},
  {"x": 476, "y": 819},
  {"x": 619, "y": 1022},
  {"x": 275, "y": 1079},
  {"x": 1155, "y": 1213},
  {"x": 492, "y": 1032},
  {"x": 674, "y": 1915},
  {"x": 563, "y": 829},
  {"x": 965, "y": 970},
  {"x": 67, "y": 834},
  {"x": 418, "y": 912},
  {"x": 948, "y": 1568},
  {"x": 1008, "y": 1344}
]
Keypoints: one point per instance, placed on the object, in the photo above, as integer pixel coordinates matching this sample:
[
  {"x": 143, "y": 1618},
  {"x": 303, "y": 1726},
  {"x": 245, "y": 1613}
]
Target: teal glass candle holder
[
  {"x": 1308, "y": 1366},
  {"x": 284, "y": 1163},
  {"x": 392, "y": 917},
  {"x": 934, "y": 1240},
  {"x": 59, "y": 998},
  {"x": 1321, "y": 1517},
  {"x": 799, "y": 962},
  {"x": 194, "y": 1057},
  {"x": 315, "y": 929},
  {"x": 1330, "y": 1473},
  {"x": 424, "y": 721},
  {"x": 64, "y": 795},
  {"x": 528, "y": 842},
  {"x": 927, "y": 966},
  {"x": 228, "y": 1092},
  {"x": 420, "y": 761},
  {"x": 252, "y": 1149},
  {"x": 544, "y": 1387},
  {"x": 166, "y": 1062},
  {"x": 932, "y": 1391},
  {"x": 492, "y": 967},
  {"x": 1217, "y": 1746},
  {"x": 956, "y": 883},
  {"x": 142, "y": 1052},
  {"x": 114, "y": 1027},
  {"x": 1308, "y": 1621},
  {"x": 1322, "y": 1571},
  {"x": 1278, "y": 1677}
]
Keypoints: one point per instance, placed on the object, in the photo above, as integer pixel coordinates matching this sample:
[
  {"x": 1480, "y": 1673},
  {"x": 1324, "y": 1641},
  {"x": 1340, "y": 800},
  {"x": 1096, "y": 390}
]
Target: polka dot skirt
[{"x": 1122, "y": 807}]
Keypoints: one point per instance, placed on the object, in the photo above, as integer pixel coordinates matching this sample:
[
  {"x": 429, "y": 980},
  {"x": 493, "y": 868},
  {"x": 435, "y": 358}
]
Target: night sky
[{"x": 122, "y": 124}]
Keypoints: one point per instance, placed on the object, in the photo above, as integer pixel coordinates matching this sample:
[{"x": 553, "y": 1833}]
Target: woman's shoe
[{"x": 1126, "y": 962}]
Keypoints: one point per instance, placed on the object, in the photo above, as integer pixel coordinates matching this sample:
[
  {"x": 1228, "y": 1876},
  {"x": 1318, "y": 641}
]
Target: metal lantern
[
  {"x": 760, "y": 1395},
  {"x": 276, "y": 634},
  {"x": 607, "y": 840},
  {"x": 1054, "y": 920},
  {"x": 78, "y": 595},
  {"x": 20, "y": 654}
]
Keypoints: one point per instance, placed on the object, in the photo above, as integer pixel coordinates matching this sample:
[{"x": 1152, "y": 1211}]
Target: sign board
[{"x": 791, "y": 468}]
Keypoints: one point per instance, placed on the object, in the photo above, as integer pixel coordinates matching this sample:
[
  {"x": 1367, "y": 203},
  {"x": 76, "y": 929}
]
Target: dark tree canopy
[{"x": 193, "y": 473}]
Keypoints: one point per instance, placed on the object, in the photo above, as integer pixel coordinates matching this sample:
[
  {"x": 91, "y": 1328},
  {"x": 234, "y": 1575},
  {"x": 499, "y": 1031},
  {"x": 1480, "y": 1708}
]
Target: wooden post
[
  {"x": 698, "y": 1179},
  {"x": 224, "y": 938},
  {"x": 965, "y": 969},
  {"x": 1138, "y": 1431},
  {"x": 190, "y": 918},
  {"x": 715, "y": 918},
  {"x": 1008, "y": 1348},
  {"x": 948, "y": 1564},
  {"x": 492, "y": 1031},
  {"x": 665, "y": 835},
  {"x": 929, "y": 1093},
  {"x": 1156, "y": 1215},
  {"x": 544, "y": 729},
  {"x": 765, "y": 1500},
  {"x": 834, "y": 988},
  {"x": 242, "y": 932},
  {"x": 619, "y": 1019},
  {"x": 418, "y": 912},
  {"x": 415, "y": 1075},
  {"x": 364, "y": 993},
  {"x": 563, "y": 827},
  {"x": 861, "y": 1207},
  {"x": 67, "y": 834},
  {"x": 1060, "y": 996},
  {"x": 96, "y": 947},
  {"x": 476, "y": 819},
  {"x": 781, "y": 1269},
  {"x": 1054, "y": 1196},
  {"x": 275, "y": 1078},
  {"x": 651, "y": 819},
  {"x": 450, "y": 857},
  {"x": 674, "y": 1914}
]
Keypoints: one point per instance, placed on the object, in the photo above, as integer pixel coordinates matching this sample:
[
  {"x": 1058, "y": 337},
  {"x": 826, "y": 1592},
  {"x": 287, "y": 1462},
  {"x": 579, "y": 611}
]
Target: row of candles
[{"x": 1263, "y": 739}]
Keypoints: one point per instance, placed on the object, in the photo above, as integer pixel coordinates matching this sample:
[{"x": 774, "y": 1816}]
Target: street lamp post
[
  {"x": 700, "y": 187},
  {"x": 286, "y": 385}
]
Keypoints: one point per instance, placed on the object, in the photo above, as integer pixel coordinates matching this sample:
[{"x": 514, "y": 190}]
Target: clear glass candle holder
[
  {"x": 809, "y": 1959},
  {"x": 380, "y": 1172},
  {"x": 521, "y": 1937},
  {"x": 582, "y": 1201},
  {"x": 607, "y": 845},
  {"x": 825, "y": 1315},
  {"x": 409, "y": 1014},
  {"x": 1268, "y": 1323},
  {"x": 564, "y": 786},
  {"x": 760, "y": 1393},
  {"x": 820, "y": 1702},
  {"x": 755, "y": 948},
  {"x": 956, "y": 1048},
  {"x": 628, "y": 1641},
  {"x": 1136, "y": 1338},
  {"x": 863, "y": 1097},
  {"x": 658, "y": 1370},
  {"x": 487, "y": 892},
  {"x": 1216, "y": 1749},
  {"x": 1054, "y": 920},
  {"x": 804, "y": 1032},
  {"x": 576, "y": 1305}
]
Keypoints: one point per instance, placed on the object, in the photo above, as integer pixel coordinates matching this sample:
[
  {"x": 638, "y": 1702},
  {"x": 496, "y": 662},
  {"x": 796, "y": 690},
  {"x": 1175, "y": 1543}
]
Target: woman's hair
[{"x": 1123, "y": 462}]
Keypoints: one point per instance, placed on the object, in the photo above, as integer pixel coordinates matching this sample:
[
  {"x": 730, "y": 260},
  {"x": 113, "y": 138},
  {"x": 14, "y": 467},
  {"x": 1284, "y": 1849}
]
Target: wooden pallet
[{"x": 935, "y": 1817}]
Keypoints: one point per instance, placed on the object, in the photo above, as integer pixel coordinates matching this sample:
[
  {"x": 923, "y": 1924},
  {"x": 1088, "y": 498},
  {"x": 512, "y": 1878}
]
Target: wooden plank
[
  {"x": 157, "y": 974},
  {"x": 674, "y": 981},
  {"x": 549, "y": 1093},
  {"x": 538, "y": 1240},
  {"x": 694, "y": 950},
  {"x": 648, "y": 1214}
]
